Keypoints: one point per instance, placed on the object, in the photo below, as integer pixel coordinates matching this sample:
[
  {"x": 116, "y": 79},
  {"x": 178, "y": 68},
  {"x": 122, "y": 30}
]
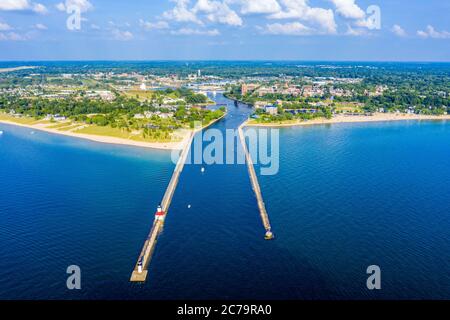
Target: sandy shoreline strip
[
  {"x": 108, "y": 140},
  {"x": 379, "y": 117},
  {"x": 179, "y": 145}
]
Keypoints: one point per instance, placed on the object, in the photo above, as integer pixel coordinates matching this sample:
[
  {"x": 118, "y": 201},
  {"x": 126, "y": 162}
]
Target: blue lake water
[{"x": 347, "y": 196}]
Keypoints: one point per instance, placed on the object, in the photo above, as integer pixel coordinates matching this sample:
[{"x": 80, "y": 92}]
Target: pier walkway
[
  {"x": 255, "y": 184},
  {"x": 141, "y": 269}
]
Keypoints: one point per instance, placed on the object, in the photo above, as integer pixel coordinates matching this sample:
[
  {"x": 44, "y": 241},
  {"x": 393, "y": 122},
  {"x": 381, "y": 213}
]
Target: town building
[
  {"x": 260, "y": 104},
  {"x": 272, "y": 110}
]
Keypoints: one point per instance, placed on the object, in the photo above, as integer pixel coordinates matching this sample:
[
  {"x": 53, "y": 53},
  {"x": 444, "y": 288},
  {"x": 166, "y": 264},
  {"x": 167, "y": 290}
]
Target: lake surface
[{"x": 347, "y": 196}]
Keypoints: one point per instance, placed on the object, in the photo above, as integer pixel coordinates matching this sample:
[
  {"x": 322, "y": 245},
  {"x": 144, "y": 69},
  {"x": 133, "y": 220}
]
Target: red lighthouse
[{"x": 160, "y": 215}]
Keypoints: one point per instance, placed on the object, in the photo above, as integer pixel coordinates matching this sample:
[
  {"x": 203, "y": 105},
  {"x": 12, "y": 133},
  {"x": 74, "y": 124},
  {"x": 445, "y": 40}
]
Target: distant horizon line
[{"x": 223, "y": 60}]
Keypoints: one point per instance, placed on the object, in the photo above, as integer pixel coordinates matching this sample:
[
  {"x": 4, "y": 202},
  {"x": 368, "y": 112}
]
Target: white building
[
  {"x": 272, "y": 110},
  {"x": 55, "y": 117},
  {"x": 260, "y": 104}
]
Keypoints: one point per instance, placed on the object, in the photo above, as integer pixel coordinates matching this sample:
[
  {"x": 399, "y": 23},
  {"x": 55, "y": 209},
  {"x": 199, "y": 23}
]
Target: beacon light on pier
[
  {"x": 160, "y": 215},
  {"x": 269, "y": 235}
]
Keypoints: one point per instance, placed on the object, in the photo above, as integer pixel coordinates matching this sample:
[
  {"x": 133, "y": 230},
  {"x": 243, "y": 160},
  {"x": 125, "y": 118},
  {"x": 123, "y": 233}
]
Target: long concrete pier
[
  {"x": 255, "y": 184},
  {"x": 141, "y": 269}
]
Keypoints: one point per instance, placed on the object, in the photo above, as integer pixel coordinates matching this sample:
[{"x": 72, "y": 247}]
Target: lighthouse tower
[{"x": 160, "y": 215}]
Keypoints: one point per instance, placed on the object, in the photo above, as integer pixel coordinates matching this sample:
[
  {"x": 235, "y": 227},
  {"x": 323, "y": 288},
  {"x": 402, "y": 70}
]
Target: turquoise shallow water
[{"x": 347, "y": 196}]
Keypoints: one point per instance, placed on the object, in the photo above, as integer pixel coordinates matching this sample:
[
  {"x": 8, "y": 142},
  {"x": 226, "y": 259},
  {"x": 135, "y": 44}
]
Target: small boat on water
[{"x": 1, "y": 132}]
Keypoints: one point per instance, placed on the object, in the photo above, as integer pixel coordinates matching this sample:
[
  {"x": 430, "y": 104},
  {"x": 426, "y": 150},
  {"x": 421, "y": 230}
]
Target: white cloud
[
  {"x": 430, "y": 32},
  {"x": 159, "y": 25},
  {"x": 60, "y": 6},
  {"x": 203, "y": 11},
  {"x": 218, "y": 12},
  {"x": 300, "y": 9},
  {"x": 16, "y": 37},
  {"x": 257, "y": 6},
  {"x": 365, "y": 23},
  {"x": 299, "y": 14},
  {"x": 14, "y": 5},
  {"x": 12, "y": 36},
  {"x": 95, "y": 27},
  {"x": 399, "y": 31},
  {"x": 292, "y": 29},
  {"x": 356, "y": 32},
  {"x": 40, "y": 26},
  {"x": 84, "y": 5},
  {"x": 324, "y": 18},
  {"x": 189, "y": 31},
  {"x": 5, "y": 27},
  {"x": 122, "y": 35},
  {"x": 292, "y": 9},
  {"x": 349, "y": 9},
  {"x": 181, "y": 13},
  {"x": 21, "y": 5},
  {"x": 206, "y": 6},
  {"x": 39, "y": 8}
]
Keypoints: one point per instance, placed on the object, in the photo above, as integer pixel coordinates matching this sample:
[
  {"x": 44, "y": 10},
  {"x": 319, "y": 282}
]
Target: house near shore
[
  {"x": 300, "y": 111},
  {"x": 163, "y": 115},
  {"x": 150, "y": 114},
  {"x": 55, "y": 117},
  {"x": 169, "y": 100},
  {"x": 260, "y": 104},
  {"x": 272, "y": 110}
]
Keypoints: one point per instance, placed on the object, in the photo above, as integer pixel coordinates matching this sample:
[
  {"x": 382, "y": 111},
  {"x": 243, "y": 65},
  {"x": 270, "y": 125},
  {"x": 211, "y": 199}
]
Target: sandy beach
[
  {"x": 185, "y": 135},
  {"x": 110, "y": 140},
  {"x": 378, "y": 117}
]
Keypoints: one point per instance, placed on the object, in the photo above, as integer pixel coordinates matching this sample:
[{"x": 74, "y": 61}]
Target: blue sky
[{"x": 414, "y": 30}]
